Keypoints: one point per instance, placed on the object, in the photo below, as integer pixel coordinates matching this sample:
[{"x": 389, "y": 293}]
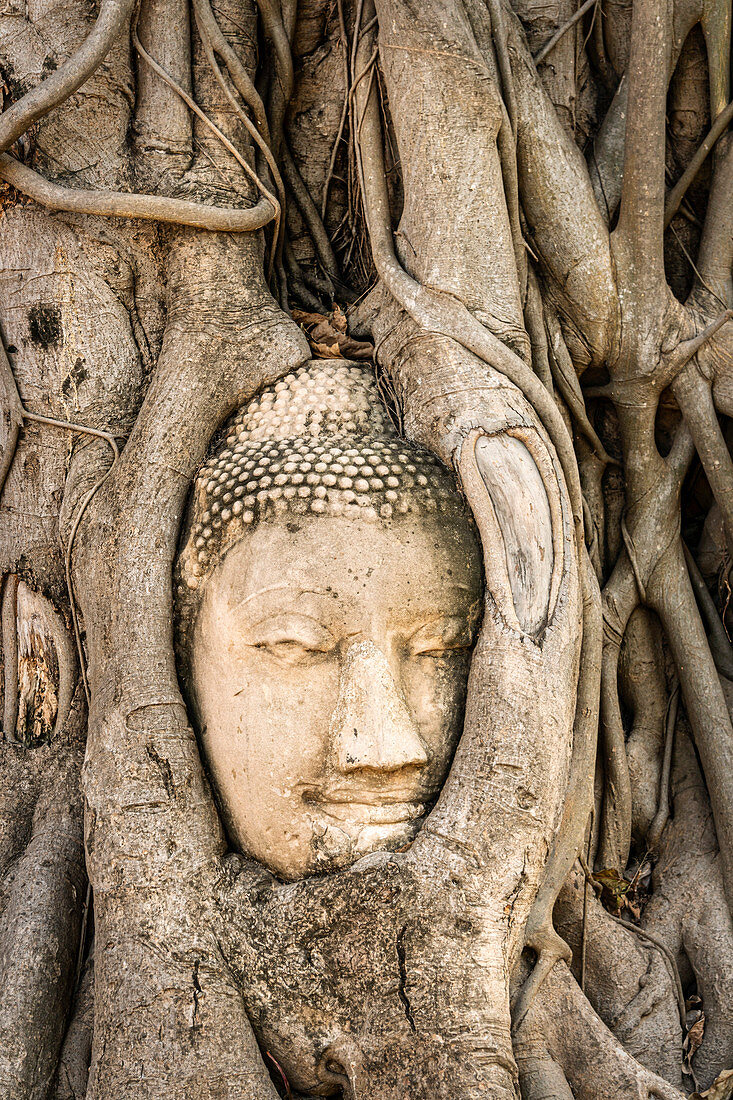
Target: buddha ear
[{"x": 516, "y": 497}]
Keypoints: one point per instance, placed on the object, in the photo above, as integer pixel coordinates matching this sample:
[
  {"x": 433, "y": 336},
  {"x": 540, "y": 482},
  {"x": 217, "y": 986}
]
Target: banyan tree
[{"x": 366, "y": 531}]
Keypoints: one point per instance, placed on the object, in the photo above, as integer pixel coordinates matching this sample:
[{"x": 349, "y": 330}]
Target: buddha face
[{"x": 329, "y": 664}]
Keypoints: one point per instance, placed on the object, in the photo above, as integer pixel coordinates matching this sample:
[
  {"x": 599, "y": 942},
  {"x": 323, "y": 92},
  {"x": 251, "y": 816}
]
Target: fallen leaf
[
  {"x": 328, "y": 337},
  {"x": 692, "y": 1042},
  {"x": 721, "y": 1088},
  {"x": 356, "y": 349},
  {"x": 323, "y": 330},
  {"x": 326, "y": 351},
  {"x": 615, "y": 888},
  {"x": 304, "y": 318},
  {"x": 338, "y": 319}
]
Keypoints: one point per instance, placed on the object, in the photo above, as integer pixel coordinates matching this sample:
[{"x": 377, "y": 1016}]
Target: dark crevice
[
  {"x": 166, "y": 773},
  {"x": 401, "y": 989},
  {"x": 195, "y": 1022}
]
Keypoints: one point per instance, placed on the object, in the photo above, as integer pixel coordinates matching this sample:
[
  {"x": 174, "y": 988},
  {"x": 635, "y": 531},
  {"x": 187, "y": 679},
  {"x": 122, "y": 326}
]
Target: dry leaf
[
  {"x": 323, "y": 330},
  {"x": 692, "y": 1042},
  {"x": 338, "y": 319},
  {"x": 721, "y": 1088},
  {"x": 356, "y": 349},
  {"x": 328, "y": 337},
  {"x": 304, "y": 318},
  {"x": 614, "y": 889},
  {"x": 326, "y": 351}
]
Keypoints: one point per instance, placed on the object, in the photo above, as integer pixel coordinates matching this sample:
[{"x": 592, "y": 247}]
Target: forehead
[{"x": 420, "y": 559}]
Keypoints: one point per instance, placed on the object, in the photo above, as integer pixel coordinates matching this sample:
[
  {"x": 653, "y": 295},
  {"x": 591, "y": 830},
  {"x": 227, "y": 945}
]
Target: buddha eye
[
  {"x": 438, "y": 651},
  {"x": 292, "y": 638},
  {"x": 442, "y": 637}
]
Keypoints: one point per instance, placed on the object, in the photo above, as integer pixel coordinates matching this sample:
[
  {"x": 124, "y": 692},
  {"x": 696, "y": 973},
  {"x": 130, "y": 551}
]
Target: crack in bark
[
  {"x": 166, "y": 773},
  {"x": 401, "y": 988},
  {"x": 197, "y": 991}
]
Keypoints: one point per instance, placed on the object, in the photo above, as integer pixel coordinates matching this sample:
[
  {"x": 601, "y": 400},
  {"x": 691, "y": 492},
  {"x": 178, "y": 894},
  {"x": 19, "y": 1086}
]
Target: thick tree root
[
  {"x": 627, "y": 981},
  {"x": 688, "y": 911},
  {"x": 594, "y": 1063},
  {"x": 76, "y": 1053},
  {"x": 645, "y": 693},
  {"x": 540, "y": 934},
  {"x": 143, "y": 764},
  {"x": 40, "y": 913},
  {"x": 124, "y": 204}
]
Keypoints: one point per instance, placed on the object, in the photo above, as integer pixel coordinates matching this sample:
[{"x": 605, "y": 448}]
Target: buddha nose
[{"x": 371, "y": 726}]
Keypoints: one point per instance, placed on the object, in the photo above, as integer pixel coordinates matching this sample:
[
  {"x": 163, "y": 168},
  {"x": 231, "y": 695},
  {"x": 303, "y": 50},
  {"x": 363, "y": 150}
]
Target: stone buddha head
[{"x": 328, "y": 592}]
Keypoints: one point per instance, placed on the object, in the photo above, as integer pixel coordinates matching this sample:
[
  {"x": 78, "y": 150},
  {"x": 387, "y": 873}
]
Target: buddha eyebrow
[{"x": 278, "y": 588}]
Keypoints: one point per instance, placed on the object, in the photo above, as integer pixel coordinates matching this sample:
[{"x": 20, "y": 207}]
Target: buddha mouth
[
  {"x": 367, "y": 807},
  {"x": 369, "y": 813}
]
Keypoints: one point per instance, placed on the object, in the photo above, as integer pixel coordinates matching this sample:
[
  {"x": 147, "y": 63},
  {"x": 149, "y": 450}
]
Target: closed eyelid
[
  {"x": 289, "y": 627},
  {"x": 444, "y": 630}
]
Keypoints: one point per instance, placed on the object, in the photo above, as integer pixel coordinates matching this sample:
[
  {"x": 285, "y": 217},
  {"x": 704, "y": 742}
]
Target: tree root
[
  {"x": 277, "y": 36},
  {"x": 720, "y": 646},
  {"x": 214, "y": 42},
  {"x": 661, "y": 817},
  {"x": 310, "y": 215},
  {"x": 678, "y": 192},
  {"x": 540, "y": 1076},
  {"x": 620, "y": 597},
  {"x": 40, "y": 922},
  {"x": 638, "y": 931},
  {"x": 76, "y": 1053},
  {"x": 627, "y": 981},
  {"x": 224, "y": 340},
  {"x": 439, "y": 314},
  {"x": 212, "y": 32},
  {"x": 540, "y": 934},
  {"x": 593, "y": 1062},
  {"x": 193, "y": 106},
  {"x": 114, "y": 17},
  {"x": 13, "y": 408},
  {"x": 688, "y": 910},
  {"x": 123, "y": 204},
  {"x": 567, "y": 383},
  {"x": 567, "y": 25},
  {"x": 644, "y": 689}
]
